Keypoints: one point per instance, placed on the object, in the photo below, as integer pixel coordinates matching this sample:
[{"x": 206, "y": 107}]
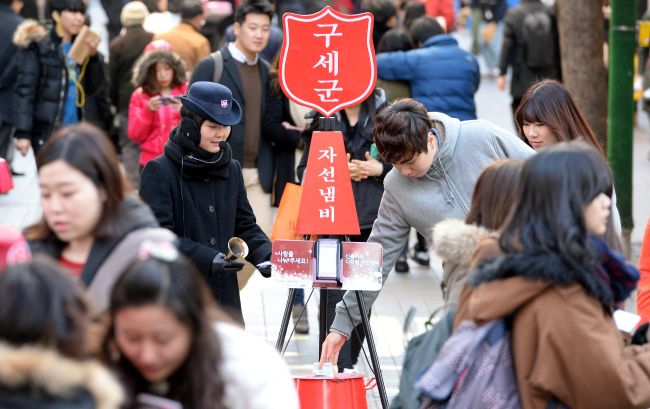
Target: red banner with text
[{"x": 327, "y": 204}]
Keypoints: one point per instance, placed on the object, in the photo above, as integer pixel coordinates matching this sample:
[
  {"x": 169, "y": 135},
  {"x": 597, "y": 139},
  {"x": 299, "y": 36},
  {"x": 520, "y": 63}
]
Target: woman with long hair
[
  {"x": 544, "y": 276},
  {"x": 168, "y": 339},
  {"x": 547, "y": 115},
  {"x": 91, "y": 220},
  {"x": 454, "y": 239},
  {"x": 44, "y": 363}
]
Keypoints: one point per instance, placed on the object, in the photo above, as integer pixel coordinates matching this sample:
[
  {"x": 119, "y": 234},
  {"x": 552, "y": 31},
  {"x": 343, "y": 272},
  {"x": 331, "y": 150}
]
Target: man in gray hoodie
[{"x": 436, "y": 160}]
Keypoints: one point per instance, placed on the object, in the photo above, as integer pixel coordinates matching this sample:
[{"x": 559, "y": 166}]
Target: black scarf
[{"x": 182, "y": 148}]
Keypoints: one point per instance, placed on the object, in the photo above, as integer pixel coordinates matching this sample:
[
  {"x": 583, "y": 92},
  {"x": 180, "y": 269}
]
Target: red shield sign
[{"x": 328, "y": 59}]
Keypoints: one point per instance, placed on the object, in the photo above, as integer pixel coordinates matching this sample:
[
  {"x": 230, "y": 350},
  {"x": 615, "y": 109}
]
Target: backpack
[
  {"x": 538, "y": 40},
  {"x": 218, "y": 66},
  {"x": 420, "y": 353},
  {"x": 474, "y": 369}
]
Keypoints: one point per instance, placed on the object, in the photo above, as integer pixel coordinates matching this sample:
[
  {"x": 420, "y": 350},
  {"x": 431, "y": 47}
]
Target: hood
[
  {"x": 47, "y": 370},
  {"x": 142, "y": 65},
  {"x": 448, "y": 128},
  {"x": 455, "y": 241},
  {"x": 508, "y": 282},
  {"x": 29, "y": 31}
]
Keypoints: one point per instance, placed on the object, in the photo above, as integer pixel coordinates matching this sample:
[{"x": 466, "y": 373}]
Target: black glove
[
  {"x": 264, "y": 269},
  {"x": 222, "y": 266}
]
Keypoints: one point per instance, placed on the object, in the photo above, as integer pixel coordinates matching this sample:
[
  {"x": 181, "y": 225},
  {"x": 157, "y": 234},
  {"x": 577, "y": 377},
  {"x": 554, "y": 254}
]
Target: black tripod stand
[{"x": 328, "y": 124}]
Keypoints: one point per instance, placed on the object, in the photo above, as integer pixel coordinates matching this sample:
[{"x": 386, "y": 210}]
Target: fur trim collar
[
  {"x": 27, "y": 32},
  {"x": 141, "y": 67},
  {"x": 455, "y": 241},
  {"x": 544, "y": 266},
  {"x": 57, "y": 375}
]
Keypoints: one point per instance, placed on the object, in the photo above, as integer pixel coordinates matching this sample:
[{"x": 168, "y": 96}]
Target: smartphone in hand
[{"x": 169, "y": 99}]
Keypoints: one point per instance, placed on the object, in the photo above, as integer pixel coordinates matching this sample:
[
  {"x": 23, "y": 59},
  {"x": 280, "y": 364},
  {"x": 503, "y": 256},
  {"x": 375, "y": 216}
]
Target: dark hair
[
  {"x": 41, "y": 305},
  {"x": 247, "y": 7},
  {"x": 550, "y": 103},
  {"x": 274, "y": 76},
  {"x": 412, "y": 11},
  {"x": 151, "y": 86},
  {"x": 186, "y": 113},
  {"x": 144, "y": 72},
  {"x": 177, "y": 286},
  {"x": 554, "y": 187},
  {"x": 191, "y": 9},
  {"x": 382, "y": 10},
  {"x": 401, "y": 130},
  {"x": 394, "y": 39},
  {"x": 494, "y": 193},
  {"x": 87, "y": 149},
  {"x": 7, "y": 2},
  {"x": 152, "y": 5},
  {"x": 69, "y": 5},
  {"x": 368, "y": 108},
  {"x": 424, "y": 28}
]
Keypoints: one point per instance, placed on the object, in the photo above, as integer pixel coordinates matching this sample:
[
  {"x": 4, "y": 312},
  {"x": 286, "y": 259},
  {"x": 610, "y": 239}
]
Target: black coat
[
  {"x": 205, "y": 213},
  {"x": 9, "y": 21},
  {"x": 512, "y": 52},
  {"x": 284, "y": 140},
  {"x": 124, "y": 52},
  {"x": 42, "y": 85},
  {"x": 368, "y": 192},
  {"x": 203, "y": 71}
]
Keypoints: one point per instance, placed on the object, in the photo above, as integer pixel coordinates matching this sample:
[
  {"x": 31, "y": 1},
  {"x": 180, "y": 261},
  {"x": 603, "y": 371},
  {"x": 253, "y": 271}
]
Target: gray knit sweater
[{"x": 444, "y": 192}]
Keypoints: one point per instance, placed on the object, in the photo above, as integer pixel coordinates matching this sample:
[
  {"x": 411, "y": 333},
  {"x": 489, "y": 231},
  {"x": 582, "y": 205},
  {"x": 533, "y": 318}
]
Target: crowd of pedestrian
[{"x": 133, "y": 299}]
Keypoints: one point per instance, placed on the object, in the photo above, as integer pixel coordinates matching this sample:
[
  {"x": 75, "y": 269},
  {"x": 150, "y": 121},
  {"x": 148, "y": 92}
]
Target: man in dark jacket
[
  {"x": 246, "y": 74},
  {"x": 51, "y": 87},
  {"x": 9, "y": 21},
  {"x": 124, "y": 52},
  {"x": 515, "y": 46},
  {"x": 443, "y": 77}
]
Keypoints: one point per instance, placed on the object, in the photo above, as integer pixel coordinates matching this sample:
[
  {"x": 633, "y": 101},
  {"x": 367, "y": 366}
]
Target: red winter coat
[
  {"x": 442, "y": 8},
  {"x": 150, "y": 129},
  {"x": 643, "y": 297}
]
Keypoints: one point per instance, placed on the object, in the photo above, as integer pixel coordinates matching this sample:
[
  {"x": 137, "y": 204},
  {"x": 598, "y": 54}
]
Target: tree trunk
[{"x": 580, "y": 23}]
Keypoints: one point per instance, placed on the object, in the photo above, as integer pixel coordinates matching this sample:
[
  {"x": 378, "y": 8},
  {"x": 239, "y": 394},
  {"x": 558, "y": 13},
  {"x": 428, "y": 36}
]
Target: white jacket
[{"x": 256, "y": 376}]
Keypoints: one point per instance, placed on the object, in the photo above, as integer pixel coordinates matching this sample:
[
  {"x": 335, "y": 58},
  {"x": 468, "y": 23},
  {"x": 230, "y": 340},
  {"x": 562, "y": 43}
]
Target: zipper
[{"x": 64, "y": 88}]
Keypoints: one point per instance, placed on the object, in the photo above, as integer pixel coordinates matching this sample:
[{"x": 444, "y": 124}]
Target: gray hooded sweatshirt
[{"x": 444, "y": 192}]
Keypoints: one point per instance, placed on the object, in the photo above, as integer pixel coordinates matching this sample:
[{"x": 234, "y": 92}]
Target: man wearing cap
[
  {"x": 197, "y": 191},
  {"x": 124, "y": 51},
  {"x": 185, "y": 37}
]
